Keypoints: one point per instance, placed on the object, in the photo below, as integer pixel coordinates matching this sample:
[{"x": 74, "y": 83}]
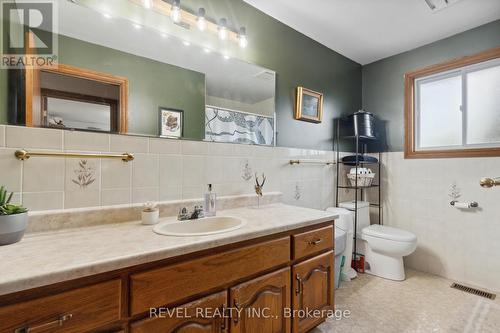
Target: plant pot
[{"x": 12, "y": 228}]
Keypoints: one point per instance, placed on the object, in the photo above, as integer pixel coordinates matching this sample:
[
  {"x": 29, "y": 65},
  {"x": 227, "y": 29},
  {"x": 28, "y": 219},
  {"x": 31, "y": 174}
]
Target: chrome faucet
[{"x": 185, "y": 215}]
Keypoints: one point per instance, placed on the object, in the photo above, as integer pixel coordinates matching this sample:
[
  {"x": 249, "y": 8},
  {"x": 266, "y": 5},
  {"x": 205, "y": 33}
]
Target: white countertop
[{"x": 45, "y": 258}]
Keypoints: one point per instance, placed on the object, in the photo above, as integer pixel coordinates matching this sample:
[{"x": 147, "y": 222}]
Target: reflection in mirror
[{"x": 121, "y": 64}]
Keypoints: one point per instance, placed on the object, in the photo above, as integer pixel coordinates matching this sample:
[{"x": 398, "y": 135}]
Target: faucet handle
[
  {"x": 183, "y": 214},
  {"x": 199, "y": 211}
]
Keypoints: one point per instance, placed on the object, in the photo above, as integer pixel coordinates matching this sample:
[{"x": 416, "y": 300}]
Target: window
[{"x": 453, "y": 109}]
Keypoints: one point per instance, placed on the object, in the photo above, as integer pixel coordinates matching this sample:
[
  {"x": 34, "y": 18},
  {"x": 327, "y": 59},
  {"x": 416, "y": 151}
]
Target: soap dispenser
[{"x": 210, "y": 201}]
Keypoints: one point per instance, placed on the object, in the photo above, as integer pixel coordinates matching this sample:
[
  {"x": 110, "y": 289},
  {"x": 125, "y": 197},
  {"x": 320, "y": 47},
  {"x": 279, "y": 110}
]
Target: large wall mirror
[{"x": 123, "y": 68}]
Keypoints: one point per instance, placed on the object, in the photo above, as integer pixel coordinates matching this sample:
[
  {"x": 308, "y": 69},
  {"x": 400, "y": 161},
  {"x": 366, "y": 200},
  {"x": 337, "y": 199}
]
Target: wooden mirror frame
[
  {"x": 410, "y": 77},
  {"x": 33, "y": 101}
]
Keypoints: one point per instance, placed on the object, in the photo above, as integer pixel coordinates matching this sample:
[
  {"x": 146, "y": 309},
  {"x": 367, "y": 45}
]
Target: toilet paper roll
[{"x": 462, "y": 205}]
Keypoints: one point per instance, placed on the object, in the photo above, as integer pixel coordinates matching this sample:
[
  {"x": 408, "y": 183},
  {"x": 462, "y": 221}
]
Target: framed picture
[
  {"x": 171, "y": 122},
  {"x": 309, "y": 105}
]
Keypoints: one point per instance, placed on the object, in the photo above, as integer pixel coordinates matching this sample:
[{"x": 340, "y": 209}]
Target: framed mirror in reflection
[{"x": 117, "y": 76}]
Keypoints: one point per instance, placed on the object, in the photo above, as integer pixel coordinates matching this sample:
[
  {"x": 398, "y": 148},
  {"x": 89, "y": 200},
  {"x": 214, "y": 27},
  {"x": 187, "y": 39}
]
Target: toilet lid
[{"x": 381, "y": 231}]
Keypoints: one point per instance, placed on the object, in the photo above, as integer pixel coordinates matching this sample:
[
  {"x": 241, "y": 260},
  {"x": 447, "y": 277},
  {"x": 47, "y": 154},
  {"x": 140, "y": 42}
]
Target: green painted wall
[
  {"x": 383, "y": 83},
  {"x": 150, "y": 85},
  {"x": 297, "y": 60}
]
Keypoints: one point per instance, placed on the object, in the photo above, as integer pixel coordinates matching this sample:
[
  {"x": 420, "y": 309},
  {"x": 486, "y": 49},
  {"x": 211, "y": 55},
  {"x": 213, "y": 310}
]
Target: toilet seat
[{"x": 389, "y": 233}]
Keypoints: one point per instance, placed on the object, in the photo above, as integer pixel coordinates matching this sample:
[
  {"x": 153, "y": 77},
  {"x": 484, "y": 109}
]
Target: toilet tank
[{"x": 363, "y": 212}]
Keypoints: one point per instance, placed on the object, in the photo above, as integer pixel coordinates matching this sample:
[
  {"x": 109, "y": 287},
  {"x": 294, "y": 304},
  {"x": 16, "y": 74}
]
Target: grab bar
[{"x": 292, "y": 162}]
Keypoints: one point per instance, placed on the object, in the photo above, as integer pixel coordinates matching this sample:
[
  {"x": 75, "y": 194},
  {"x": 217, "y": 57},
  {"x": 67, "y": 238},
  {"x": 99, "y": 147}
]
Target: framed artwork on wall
[
  {"x": 308, "y": 105},
  {"x": 171, "y": 122}
]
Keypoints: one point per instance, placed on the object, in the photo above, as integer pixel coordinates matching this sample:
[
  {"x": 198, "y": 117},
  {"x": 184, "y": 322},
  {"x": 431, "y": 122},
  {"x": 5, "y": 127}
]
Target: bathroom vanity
[{"x": 246, "y": 280}]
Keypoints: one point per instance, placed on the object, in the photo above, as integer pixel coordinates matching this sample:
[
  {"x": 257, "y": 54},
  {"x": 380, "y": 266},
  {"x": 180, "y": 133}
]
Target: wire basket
[{"x": 364, "y": 180}]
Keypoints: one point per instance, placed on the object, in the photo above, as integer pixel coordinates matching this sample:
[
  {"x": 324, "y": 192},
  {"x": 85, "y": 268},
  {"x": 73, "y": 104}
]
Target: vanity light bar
[
  {"x": 165, "y": 8},
  {"x": 23, "y": 155}
]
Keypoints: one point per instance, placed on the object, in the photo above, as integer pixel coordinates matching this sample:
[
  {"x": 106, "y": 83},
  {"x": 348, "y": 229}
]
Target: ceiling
[{"x": 369, "y": 30}]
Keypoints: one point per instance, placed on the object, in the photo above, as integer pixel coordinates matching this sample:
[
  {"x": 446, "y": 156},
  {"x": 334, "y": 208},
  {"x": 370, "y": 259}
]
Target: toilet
[{"x": 384, "y": 247}]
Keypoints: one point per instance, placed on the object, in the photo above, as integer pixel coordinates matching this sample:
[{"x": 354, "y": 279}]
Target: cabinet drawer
[
  {"x": 78, "y": 310},
  {"x": 188, "y": 317},
  {"x": 170, "y": 284},
  {"x": 312, "y": 242}
]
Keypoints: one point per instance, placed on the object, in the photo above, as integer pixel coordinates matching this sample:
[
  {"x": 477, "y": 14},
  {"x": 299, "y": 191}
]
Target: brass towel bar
[
  {"x": 292, "y": 162},
  {"x": 24, "y": 155}
]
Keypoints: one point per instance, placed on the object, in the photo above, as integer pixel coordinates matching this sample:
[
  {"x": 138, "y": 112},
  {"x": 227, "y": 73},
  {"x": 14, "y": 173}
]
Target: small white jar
[
  {"x": 150, "y": 214},
  {"x": 150, "y": 217}
]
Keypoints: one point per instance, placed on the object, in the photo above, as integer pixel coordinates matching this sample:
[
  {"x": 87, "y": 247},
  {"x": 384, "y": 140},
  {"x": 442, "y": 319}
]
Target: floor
[{"x": 422, "y": 303}]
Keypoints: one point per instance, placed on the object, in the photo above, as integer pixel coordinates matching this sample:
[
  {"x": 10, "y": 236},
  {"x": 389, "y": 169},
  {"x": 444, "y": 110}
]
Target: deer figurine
[{"x": 259, "y": 187}]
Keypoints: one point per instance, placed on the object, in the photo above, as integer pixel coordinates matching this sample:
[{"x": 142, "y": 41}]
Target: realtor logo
[{"x": 29, "y": 33}]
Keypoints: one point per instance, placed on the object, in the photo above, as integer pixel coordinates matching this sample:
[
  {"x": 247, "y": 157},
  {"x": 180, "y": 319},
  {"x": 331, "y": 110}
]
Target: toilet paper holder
[{"x": 458, "y": 204}]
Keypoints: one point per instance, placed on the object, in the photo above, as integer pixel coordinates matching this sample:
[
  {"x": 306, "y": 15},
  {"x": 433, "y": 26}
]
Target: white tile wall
[
  {"x": 458, "y": 244},
  {"x": 2, "y": 136},
  {"x": 163, "y": 169},
  {"x": 25, "y": 137}
]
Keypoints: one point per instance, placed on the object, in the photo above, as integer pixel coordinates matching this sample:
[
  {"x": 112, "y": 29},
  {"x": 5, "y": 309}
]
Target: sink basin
[{"x": 200, "y": 227}]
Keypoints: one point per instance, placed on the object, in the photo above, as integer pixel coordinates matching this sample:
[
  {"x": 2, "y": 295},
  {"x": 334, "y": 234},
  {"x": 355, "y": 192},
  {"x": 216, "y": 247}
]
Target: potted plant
[{"x": 13, "y": 219}]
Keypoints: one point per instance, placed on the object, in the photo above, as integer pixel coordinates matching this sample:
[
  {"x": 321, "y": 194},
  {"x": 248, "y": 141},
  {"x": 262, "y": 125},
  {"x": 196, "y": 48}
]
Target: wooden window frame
[
  {"x": 32, "y": 84},
  {"x": 410, "y": 77},
  {"x": 114, "y": 116}
]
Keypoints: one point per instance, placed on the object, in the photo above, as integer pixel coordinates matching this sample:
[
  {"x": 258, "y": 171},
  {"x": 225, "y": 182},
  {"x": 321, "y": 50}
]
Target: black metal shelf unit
[{"x": 360, "y": 147}]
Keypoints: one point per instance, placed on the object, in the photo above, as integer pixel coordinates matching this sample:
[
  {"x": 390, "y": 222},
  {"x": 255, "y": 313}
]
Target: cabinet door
[
  {"x": 205, "y": 315},
  {"x": 260, "y": 304},
  {"x": 312, "y": 290}
]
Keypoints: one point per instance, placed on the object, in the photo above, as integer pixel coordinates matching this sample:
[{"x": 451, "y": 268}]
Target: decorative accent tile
[
  {"x": 246, "y": 171},
  {"x": 230, "y": 126},
  {"x": 38, "y": 138},
  {"x": 82, "y": 174},
  {"x": 298, "y": 192}
]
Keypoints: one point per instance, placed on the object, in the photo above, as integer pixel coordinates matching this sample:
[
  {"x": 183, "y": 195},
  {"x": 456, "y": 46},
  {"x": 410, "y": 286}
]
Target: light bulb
[
  {"x": 201, "y": 22},
  {"x": 137, "y": 26},
  {"x": 223, "y": 29},
  {"x": 242, "y": 37},
  {"x": 175, "y": 12},
  {"x": 148, "y": 4}
]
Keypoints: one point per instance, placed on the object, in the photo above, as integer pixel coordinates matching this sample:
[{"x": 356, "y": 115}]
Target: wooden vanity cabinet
[
  {"x": 267, "y": 279},
  {"x": 187, "y": 318},
  {"x": 76, "y": 311},
  {"x": 313, "y": 290},
  {"x": 261, "y": 304}
]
